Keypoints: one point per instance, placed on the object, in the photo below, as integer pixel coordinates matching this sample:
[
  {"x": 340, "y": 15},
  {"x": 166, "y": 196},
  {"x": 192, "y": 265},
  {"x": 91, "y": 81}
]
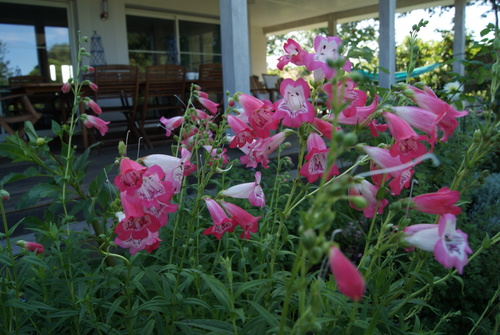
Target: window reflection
[
  {"x": 153, "y": 41},
  {"x": 34, "y": 40}
]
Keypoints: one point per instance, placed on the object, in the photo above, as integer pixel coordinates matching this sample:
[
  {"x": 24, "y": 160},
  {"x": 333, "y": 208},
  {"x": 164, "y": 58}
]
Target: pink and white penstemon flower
[
  {"x": 449, "y": 244},
  {"x": 294, "y": 54},
  {"x": 327, "y": 48},
  {"x": 368, "y": 191},
  {"x": 294, "y": 109},
  {"x": 171, "y": 124},
  {"x": 420, "y": 119},
  {"x": 259, "y": 115},
  {"x": 91, "y": 121},
  {"x": 316, "y": 163},
  {"x": 243, "y": 133},
  {"x": 408, "y": 143},
  {"x": 440, "y": 202},
  {"x": 242, "y": 218},
  {"x": 31, "y": 246},
  {"x": 251, "y": 191},
  {"x": 382, "y": 159},
  {"x": 222, "y": 223}
]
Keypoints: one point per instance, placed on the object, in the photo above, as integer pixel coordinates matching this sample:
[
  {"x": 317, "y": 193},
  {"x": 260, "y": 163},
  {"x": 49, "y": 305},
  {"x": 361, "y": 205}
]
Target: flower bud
[
  {"x": 476, "y": 137},
  {"x": 4, "y": 195},
  {"x": 40, "y": 141},
  {"x": 348, "y": 279},
  {"x": 31, "y": 246},
  {"x": 350, "y": 139},
  {"x": 358, "y": 201},
  {"x": 308, "y": 239},
  {"x": 122, "y": 149}
]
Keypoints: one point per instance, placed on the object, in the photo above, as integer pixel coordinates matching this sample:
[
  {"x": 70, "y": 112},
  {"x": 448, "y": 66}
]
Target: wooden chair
[
  {"x": 163, "y": 96},
  {"x": 272, "y": 83},
  {"x": 117, "y": 96},
  {"x": 258, "y": 90},
  {"x": 210, "y": 81},
  {"x": 13, "y": 121}
]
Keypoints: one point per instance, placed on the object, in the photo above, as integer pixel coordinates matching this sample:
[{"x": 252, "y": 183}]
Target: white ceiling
[{"x": 279, "y": 15}]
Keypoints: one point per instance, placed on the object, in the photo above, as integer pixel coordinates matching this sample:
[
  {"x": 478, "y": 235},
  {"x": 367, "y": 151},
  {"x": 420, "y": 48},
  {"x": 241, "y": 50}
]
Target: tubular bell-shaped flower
[
  {"x": 222, "y": 223},
  {"x": 251, "y": 191},
  {"x": 91, "y": 121},
  {"x": 242, "y": 218},
  {"x": 259, "y": 114},
  {"x": 440, "y": 202},
  {"x": 346, "y": 275},
  {"x": 384, "y": 160},
  {"x": 294, "y": 109},
  {"x": 327, "y": 49},
  {"x": 316, "y": 163},
  {"x": 294, "y": 54},
  {"x": 171, "y": 124},
  {"x": 449, "y": 244},
  {"x": 368, "y": 191},
  {"x": 407, "y": 145}
]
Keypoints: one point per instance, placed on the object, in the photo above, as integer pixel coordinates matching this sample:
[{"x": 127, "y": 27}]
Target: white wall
[
  {"x": 258, "y": 46},
  {"x": 113, "y": 31}
]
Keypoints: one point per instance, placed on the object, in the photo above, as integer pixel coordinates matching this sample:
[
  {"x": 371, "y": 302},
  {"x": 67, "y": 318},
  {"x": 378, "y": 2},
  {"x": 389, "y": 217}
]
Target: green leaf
[
  {"x": 56, "y": 128},
  {"x": 15, "y": 176},
  {"x": 36, "y": 193},
  {"x": 248, "y": 285},
  {"x": 30, "y": 131},
  {"x": 219, "y": 327},
  {"x": 219, "y": 290},
  {"x": 271, "y": 319}
]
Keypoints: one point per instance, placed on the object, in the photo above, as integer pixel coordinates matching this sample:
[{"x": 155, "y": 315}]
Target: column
[
  {"x": 235, "y": 45},
  {"x": 459, "y": 37},
  {"x": 387, "y": 43}
]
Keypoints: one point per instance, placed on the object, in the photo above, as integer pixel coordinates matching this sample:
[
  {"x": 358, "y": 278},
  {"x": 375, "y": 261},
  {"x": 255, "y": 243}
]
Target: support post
[
  {"x": 459, "y": 37},
  {"x": 235, "y": 46},
  {"x": 387, "y": 43}
]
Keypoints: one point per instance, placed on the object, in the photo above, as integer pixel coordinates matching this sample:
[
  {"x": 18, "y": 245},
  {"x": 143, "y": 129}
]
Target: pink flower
[
  {"x": 221, "y": 221},
  {"x": 428, "y": 100},
  {"x": 31, "y": 246},
  {"x": 383, "y": 159},
  {"x": 449, "y": 244},
  {"x": 93, "y": 86},
  {"x": 420, "y": 119},
  {"x": 251, "y": 191},
  {"x": 407, "y": 144},
  {"x": 214, "y": 155},
  {"x": 294, "y": 54},
  {"x": 315, "y": 166},
  {"x": 259, "y": 115},
  {"x": 93, "y": 121},
  {"x": 243, "y": 133},
  {"x": 171, "y": 124},
  {"x": 294, "y": 108},
  {"x": 324, "y": 127},
  {"x": 137, "y": 233},
  {"x": 242, "y": 218},
  {"x": 93, "y": 105},
  {"x": 66, "y": 87},
  {"x": 345, "y": 94},
  {"x": 258, "y": 151},
  {"x": 440, "y": 202},
  {"x": 361, "y": 115},
  {"x": 369, "y": 192},
  {"x": 208, "y": 104},
  {"x": 327, "y": 48},
  {"x": 346, "y": 275}
]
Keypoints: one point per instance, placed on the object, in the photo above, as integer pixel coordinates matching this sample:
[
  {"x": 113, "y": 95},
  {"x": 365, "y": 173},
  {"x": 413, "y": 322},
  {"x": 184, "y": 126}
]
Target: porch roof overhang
[{"x": 278, "y": 17}]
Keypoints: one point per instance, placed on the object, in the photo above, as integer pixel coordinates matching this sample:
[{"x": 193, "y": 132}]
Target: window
[
  {"x": 153, "y": 41},
  {"x": 34, "y": 40}
]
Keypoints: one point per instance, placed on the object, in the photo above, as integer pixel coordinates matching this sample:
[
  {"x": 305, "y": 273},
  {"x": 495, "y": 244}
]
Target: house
[{"x": 189, "y": 32}]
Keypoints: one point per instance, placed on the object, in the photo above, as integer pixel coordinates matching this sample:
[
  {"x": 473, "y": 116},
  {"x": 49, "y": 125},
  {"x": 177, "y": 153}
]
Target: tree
[{"x": 5, "y": 71}]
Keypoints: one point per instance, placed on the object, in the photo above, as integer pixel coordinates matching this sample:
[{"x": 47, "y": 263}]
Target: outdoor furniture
[
  {"x": 163, "y": 96},
  {"x": 258, "y": 90},
  {"x": 12, "y": 121},
  {"x": 117, "y": 97},
  {"x": 272, "y": 83},
  {"x": 210, "y": 81}
]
